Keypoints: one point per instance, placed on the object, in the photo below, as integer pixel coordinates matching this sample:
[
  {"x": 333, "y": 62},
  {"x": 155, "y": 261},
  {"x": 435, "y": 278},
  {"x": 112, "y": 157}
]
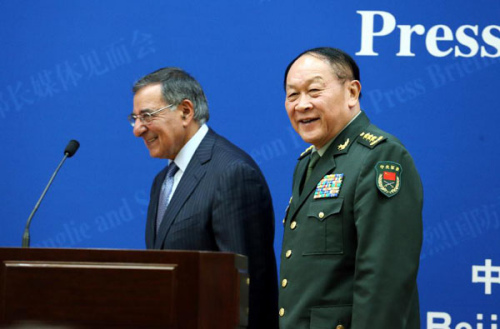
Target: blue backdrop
[{"x": 429, "y": 71}]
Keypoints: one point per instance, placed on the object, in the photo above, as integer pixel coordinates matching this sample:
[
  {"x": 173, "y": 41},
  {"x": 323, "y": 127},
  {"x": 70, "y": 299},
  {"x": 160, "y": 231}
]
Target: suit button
[
  {"x": 293, "y": 225},
  {"x": 288, "y": 253},
  {"x": 284, "y": 282},
  {"x": 339, "y": 327},
  {"x": 321, "y": 215},
  {"x": 282, "y": 311},
  {"x": 283, "y": 222}
]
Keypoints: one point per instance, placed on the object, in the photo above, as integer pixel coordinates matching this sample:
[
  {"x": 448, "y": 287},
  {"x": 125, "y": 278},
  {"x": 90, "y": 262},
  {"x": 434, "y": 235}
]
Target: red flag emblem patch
[{"x": 388, "y": 177}]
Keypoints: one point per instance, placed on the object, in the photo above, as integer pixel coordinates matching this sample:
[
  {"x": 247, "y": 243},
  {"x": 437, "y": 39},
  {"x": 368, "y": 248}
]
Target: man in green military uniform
[{"x": 353, "y": 229}]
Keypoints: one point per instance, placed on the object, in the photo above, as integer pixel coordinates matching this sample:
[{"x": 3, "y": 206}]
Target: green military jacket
[{"x": 352, "y": 238}]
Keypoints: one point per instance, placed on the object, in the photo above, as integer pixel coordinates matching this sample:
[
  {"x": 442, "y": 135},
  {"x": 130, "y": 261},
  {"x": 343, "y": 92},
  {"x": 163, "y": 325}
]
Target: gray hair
[{"x": 177, "y": 85}]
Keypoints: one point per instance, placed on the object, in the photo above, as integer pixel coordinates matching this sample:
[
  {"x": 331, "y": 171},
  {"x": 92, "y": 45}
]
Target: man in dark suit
[
  {"x": 353, "y": 229},
  {"x": 212, "y": 196}
]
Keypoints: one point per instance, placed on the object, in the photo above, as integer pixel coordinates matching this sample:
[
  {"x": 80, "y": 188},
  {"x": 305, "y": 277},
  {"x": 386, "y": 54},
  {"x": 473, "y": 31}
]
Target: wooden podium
[{"x": 92, "y": 288}]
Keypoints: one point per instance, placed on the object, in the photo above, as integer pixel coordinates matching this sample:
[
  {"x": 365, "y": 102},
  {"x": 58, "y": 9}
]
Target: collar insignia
[
  {"x": 307, "y": 151},
  {"x": 342, "y": 147}
]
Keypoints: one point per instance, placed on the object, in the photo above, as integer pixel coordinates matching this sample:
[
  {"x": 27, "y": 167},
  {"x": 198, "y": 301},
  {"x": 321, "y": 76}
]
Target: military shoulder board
[{"x": 370, "y": 140}]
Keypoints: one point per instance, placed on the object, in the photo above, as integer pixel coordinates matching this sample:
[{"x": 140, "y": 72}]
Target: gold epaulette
[{"x": 370, "y": 140}]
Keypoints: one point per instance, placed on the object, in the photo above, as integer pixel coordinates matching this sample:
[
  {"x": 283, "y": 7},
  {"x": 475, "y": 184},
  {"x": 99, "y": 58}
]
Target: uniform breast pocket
[{"x": 323, "y": 231}]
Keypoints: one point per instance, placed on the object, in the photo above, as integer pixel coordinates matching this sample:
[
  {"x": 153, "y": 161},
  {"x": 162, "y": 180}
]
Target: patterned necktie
[{"x": 166, "y": 190}]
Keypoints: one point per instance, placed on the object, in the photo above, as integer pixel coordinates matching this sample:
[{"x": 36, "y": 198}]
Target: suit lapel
[
  {"x": 153, "y": 209},
  {"x": 299, "y": 174},
  {"x": 325, "y": 165},
  {"x": 195, "y": 171}
]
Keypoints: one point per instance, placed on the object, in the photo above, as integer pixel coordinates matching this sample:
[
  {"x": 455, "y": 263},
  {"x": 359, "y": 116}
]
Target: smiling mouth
[
  {"x": 306, "y": 121},
  {"x": 151, "y": 140}
]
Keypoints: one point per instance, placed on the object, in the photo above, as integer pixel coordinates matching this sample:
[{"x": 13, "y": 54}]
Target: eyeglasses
[{"x": 145, "y": 117}]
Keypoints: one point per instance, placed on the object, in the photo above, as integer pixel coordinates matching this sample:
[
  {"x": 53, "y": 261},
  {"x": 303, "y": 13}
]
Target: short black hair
[{"x": 343, "y": 65}]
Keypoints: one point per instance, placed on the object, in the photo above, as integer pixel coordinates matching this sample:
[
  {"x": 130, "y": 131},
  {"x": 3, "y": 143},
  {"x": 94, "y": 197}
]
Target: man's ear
[
  {"x": 354, "y": 90},
  {"x": 187, "y": 110}
]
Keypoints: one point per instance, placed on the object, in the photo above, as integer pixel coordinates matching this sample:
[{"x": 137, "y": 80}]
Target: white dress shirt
[{"x": 185, "y": 154}]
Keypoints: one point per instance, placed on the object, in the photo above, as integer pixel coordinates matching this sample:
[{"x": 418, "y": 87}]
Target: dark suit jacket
[
  {"x": 222, "y": 203},
  {"x": 352, "y": 259}
]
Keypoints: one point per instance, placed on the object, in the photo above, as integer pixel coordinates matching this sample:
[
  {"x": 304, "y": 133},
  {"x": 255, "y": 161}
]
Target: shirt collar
[{"x": 186, "y": 153}]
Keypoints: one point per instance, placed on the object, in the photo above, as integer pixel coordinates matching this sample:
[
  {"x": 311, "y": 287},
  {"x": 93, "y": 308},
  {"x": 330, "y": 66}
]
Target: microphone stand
[{"x": 26, "y": 235}]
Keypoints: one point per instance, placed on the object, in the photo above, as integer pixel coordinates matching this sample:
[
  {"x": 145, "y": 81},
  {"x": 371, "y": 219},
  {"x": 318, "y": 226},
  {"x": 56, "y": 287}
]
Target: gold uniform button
[
  {"x": 248, "y": 281},
  {"x": 284, "y": 282},
  {"x": 282, "y": 311},
  {"x": 293, "y": 225},
  {"x": 288, "y": 253},
  {"x": 339, "y": 327},
  {"x": 283, "y": 221},
  {"x": 321, "y": 215}
]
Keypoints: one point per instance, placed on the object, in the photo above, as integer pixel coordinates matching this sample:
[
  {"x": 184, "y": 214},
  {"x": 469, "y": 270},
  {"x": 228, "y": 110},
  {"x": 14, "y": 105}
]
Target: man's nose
[
  {"x": 139, "y": 128},
  {"x": 303, "y": 104}
]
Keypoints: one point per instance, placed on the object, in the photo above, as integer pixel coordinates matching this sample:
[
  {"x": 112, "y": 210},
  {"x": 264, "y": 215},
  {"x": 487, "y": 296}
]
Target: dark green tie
[{"x": 312, "y": 163}]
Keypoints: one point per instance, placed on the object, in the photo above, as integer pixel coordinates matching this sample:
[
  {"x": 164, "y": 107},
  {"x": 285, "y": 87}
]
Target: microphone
[{"x": 69, "y": 151}]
